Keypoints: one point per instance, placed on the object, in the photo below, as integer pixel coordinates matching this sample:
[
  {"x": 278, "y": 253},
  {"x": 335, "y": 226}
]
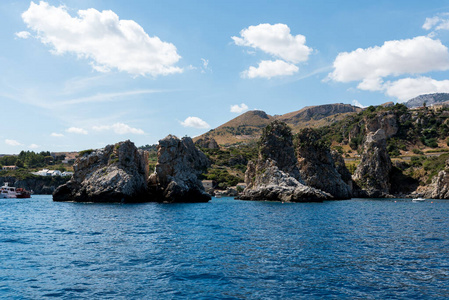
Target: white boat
[
  {"x": 7, "y": 191},
  {"x": 419, "y": 199}
]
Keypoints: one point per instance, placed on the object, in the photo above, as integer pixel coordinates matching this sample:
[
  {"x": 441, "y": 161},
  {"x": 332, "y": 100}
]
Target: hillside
[
  {"x": 429, "y": 99},
  {"x": 247, "y": 127}
]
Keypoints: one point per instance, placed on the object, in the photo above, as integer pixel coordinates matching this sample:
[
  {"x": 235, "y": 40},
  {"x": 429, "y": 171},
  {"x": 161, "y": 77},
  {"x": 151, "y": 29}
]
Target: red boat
[{"x": 7, "y": 191}]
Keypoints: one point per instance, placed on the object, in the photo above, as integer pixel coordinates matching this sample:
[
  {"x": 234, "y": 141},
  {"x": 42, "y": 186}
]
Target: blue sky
[{"x": 79, "y": 74}]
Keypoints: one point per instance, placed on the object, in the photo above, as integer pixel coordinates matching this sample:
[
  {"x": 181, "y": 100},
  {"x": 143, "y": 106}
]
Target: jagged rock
[
  {"x": 208, "y": 143},
  {"x": 317, "y": 167},
  {"x": 373, "y": 173},
  {"x": 439, "y": 188},
  {"x": 176, "y": 177},
  {"x": 276, "y": 143},
  {"x": 386, "y": 120},
  {"x": 341, "y": 168},
  {"x": 275, "y": 176},
  {"x": 116, "y": 173},
  {"x": 271, "y": 183}
]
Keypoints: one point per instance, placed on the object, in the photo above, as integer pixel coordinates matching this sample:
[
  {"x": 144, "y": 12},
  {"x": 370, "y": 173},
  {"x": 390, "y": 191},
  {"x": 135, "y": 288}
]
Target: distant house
[
  {"x": 47, "y": 172},
  {"x": 9, "y": 168},
  {"x": 67, "y": 173},
  {"x": 208, "y": 184},
  {"x": 55, "y": 173}
]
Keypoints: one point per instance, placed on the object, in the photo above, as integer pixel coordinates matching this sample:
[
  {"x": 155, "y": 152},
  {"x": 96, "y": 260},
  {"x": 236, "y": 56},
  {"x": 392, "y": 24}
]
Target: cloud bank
[
  {"x": 101, "y": 37},
  {"x": 119, "y": 128},
  {"x": 238, "y": 109}
]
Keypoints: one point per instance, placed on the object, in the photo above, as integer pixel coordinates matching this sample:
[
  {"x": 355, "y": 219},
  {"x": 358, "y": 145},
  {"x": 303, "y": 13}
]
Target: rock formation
[
  {"x": 317, "y": 167},
  {"x": 176, "y": 177},
  {"x": 439, "y": 188},
  {"x": 116, "y": 173},
  {"x": 208, "y": 143},
  {"x": 373, "y": 173},
  {"x": 275, "y": 176}
]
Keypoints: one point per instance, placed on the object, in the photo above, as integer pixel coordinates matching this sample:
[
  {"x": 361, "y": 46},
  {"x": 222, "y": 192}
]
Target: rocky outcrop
[
  {"x": 373, "y": 173},
  {"x": 275, "y": 176},
  {"x": 207, "y": 143},
  {"x": 439, "y": 188},
  {"x": 317, "y": 167},
  {"x": 176, "y": 176},
  {"x": 116, "y": 173},
  {"x": 386, "y": 120}
]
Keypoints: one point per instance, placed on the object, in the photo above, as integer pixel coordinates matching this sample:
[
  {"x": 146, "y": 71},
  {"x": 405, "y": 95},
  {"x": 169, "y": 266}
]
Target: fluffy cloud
[
  {"x": 195, "y": 122},
  {"x": 54, "y": 134},
  {"x": 238, "y": 109},
  {"x": 394, "y": 58},
  {"x": 268, "y": 69},
  {"x": 76, "y": 130},
  {"x": 275, "y": 40},
  {"x": 12, "y": 143},
  {"x": 102, "y": 38},
  {"x": 23, "y": 34},
  {"x": 34, "y": 146},
  {"x": 439, "y": 22},
  {"x": 407, "y": 88},
  {"x": 418, "y": 55},
  {"x": 119, "y": 128}
]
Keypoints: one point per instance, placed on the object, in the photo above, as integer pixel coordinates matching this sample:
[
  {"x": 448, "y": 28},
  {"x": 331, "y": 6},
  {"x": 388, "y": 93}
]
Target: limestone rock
[
  {"x": 373, "y": 173},
  {"x": 317, "y": 167},
  {"x": 275, "y": 176},
  {"x": 439, "y": 188},
  {"x": 116, "y": 173},
  {"x": 176, "y": 177},
  {"x": 385, "y": 120}
]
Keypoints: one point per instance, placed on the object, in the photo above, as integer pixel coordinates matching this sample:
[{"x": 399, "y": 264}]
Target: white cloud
[
  {"x": 54, "y": 134},
  {"x": 23, "y": 34},
  {"x": 76, "y": 130},
  {"x": 408, "y": 88},
  {"x": 103, "y": 38},
  {"x": 269, "y": 69},
  {"x": 119, "y": 128},
  {"x": 418, "y": 55},
  {"x": 195, "y": 122},
  {"x": 34, "y": 146},
  {"x": 358, "y": 104},
  {"x": 13, "y": 143},
  {"x": 275, "y": 40},
  {"x": 238, "y": 109},
  {"x": 439, "y": 22}
]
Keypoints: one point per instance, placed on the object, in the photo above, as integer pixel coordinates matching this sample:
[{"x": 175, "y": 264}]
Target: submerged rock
[
  {"x": 372, "y": 175},
  {"x": 275, "y": 175},
  {"x": 116, "y": 173},
  {"x": 317, "y": 166},
  {"x": 176, "y": 176}
]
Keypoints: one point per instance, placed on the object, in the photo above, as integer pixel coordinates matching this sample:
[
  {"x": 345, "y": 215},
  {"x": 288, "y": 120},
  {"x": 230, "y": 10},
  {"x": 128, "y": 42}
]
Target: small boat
[
  {"x": 7, "y": 191},
  {"x": 419, "y": 199}
]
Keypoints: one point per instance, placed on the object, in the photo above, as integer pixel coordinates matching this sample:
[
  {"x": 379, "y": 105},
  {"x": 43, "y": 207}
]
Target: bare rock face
[
  {"x": 373, "y": 173},
  {"x": 275, "y": 176},
  {"x": 116, "y": 173},
  {"x": 439, "y": 188},
  {"x": 208, "y": 143},
  {"x": 386, "y": 121},
  {"x": 176, "y": 177},
  {"x": 317, "y": 166}
]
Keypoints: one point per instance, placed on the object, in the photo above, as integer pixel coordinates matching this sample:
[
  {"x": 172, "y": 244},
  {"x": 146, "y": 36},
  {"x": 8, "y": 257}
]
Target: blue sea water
[{"x": 224, "y": 249}]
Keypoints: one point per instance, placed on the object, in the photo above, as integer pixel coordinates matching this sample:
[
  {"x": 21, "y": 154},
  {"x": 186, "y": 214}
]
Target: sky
[{"x": 79, "y": 74}]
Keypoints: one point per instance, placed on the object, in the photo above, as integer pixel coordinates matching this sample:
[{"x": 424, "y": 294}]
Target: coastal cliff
[
  {"x": 275, "y": 175},
  {"x": 317, "y": 166}
]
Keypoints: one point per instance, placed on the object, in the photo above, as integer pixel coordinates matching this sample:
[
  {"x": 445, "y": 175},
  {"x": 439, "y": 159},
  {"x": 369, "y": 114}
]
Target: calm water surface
[{"x": 225, "y": 249}]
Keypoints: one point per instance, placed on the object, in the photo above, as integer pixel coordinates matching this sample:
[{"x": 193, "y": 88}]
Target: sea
[{"x": 224, "y": 249}]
